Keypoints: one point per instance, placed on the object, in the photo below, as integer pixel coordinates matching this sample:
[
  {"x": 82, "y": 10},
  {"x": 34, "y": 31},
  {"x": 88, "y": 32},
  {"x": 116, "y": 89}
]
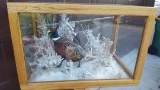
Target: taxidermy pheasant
[{"x": 66, "y": 48}]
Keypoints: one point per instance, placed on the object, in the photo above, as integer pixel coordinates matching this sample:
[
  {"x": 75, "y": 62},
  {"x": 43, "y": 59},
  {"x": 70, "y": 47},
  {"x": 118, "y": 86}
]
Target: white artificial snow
[{"x": 87, "y": 70}]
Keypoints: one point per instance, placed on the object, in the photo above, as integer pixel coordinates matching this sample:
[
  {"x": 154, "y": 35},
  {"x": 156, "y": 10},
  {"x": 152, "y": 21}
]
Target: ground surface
[{"x": 150, "y": 79}]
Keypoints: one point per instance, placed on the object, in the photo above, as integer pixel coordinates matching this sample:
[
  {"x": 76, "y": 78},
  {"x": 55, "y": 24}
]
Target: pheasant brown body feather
[{"x": 68, "y": 49}]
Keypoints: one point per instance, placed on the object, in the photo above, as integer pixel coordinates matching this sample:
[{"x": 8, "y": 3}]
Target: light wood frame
[{"x": 15, "y": 8}]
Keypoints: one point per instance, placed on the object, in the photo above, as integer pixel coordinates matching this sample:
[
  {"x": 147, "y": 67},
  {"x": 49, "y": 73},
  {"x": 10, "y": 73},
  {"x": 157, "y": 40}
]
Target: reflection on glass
[
  {"x": 129, "y": 38},
  {"x": 69, "y": 47}
]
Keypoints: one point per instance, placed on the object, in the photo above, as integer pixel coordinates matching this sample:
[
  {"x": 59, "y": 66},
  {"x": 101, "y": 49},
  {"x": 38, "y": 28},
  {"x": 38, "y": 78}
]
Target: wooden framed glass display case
[{"x": 69, "y": 46}]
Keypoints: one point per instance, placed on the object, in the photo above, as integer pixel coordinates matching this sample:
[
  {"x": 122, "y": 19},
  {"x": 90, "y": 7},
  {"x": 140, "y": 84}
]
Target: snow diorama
[{"x": 68, "y": 49}]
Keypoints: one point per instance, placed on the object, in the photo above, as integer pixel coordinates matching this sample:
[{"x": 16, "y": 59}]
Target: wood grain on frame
[
  {"x": 115, "y": 31},
  {"x": 147, "y": 32},
  {"x": 125, "y": 68},
  {"x": 18, "y": 47},
  {"x": 79, "y": 84},
  {"x": 80, "y": 9},
  {"x": 15, "y": 8}
]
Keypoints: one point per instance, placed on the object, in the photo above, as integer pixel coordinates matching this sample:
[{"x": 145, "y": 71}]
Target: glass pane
[
  {"x": 69, "y": 47},
  {"x": 129, "y": 39}
]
